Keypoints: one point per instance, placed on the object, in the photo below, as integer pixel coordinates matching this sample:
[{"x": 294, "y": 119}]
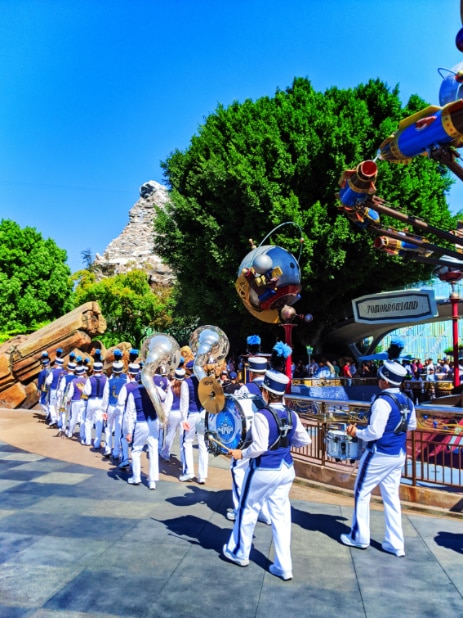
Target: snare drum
[
  {"x": 341, "y": 446},
  {"x": 230, "y": 425}
]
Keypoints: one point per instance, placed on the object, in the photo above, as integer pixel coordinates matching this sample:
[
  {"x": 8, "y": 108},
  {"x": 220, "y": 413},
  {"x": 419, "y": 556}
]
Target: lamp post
[{"x": 309, "y": 349}]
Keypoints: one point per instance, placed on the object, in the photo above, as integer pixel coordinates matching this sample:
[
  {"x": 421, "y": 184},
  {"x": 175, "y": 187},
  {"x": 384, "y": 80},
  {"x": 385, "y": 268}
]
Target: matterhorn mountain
[{"x": 133, "y": 248}]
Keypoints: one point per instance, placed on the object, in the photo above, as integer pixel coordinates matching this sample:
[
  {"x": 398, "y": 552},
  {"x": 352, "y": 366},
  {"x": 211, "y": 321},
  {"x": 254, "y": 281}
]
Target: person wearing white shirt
[{"x": 391, "y": 415}]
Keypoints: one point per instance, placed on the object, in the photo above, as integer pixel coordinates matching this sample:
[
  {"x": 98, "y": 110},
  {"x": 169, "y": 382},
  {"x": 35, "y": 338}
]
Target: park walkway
[{"x": 77, "y": 541}]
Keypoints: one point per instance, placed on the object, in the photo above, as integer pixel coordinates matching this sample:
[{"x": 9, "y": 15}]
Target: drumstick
[{"x": 209, "y": 436}]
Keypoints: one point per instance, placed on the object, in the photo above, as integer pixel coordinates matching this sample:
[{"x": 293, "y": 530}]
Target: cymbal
[{"x": 211, "y": 395}]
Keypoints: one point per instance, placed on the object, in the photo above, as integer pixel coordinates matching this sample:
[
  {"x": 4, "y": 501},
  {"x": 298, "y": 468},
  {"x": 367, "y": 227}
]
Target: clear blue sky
[{"x": 95, "y": 93}]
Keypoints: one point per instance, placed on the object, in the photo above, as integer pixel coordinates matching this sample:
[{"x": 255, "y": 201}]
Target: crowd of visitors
[{"x": 427, "y": 371}]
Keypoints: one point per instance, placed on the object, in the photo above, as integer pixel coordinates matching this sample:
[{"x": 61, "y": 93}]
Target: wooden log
[
  {"x": 5, "y": 369},
  {"x": 86, "y": 318},
  {"x": 11, "y": 344},
  {"x": 32, "y": 397},
  {"x": 13, "y": 396},
  {"x": 27, "y": 369}
]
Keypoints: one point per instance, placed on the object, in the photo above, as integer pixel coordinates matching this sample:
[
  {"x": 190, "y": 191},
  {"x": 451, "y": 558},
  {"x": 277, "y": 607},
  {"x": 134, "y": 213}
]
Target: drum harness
[
  {"x": 404, "y": 409},
  {"x": 284, "y": 426}
]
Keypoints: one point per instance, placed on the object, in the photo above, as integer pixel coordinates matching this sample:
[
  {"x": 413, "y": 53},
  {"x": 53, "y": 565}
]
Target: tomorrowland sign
[{"x": 395, "y": 307}]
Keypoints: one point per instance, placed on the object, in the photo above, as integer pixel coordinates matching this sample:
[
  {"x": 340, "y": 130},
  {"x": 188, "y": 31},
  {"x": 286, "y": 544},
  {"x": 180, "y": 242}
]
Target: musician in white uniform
[
  {"x": 383, "y": 460},
  {"x": 275, "y": 430},
  {"x": 257, "y": 366},
  {"x": 178, "y": 411}
]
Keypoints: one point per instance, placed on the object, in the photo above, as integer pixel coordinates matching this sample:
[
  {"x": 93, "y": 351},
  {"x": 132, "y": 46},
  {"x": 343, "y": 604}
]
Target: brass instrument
[
  {"x": 210, "y": 346},
  {"x": 158, "y": 349}
]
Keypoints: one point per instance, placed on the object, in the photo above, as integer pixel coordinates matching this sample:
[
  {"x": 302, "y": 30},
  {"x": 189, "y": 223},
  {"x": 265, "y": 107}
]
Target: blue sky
[{"x": 95, "y": 93}]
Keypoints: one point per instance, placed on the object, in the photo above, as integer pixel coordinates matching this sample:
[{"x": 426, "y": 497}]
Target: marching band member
[
  {"x": 96, "y": 404},
  {"x": 275, "y": 430},
  {"x": 392, "y": 414},
  {"x": 257, "y": 366},
  {"x": 178, "y": 411},
  {"x": 52, "y": 383},
  {"x": 132, "y": 372},
  {"x": 189, "y": 431},
  {"x": 42, "y": 387},
  {"x": 141, "y": 427},
  {"x": 65, "y": 380},
  {"x": 75, "y": 401},
  {"x": 165, "y": 396},
  {"x": 113, "y": 430}
]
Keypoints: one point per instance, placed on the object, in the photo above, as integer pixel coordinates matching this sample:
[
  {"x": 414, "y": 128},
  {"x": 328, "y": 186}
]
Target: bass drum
[{"x": 229, "y": 428}]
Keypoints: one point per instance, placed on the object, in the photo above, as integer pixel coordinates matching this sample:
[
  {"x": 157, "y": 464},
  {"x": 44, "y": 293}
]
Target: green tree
[
  {"x": 35, "y": 282},
  {"x": 257, "y": 164},
  {"x": 129, "y": 305}
]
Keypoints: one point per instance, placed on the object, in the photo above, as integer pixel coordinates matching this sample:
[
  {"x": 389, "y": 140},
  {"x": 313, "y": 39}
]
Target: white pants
[
  {"x": 94, "y": 417},
  {"x": 383, "y": 470},
  {"x": 75, "y": 415},
  {"x": 187, "y": 448},
  {"x": 273, "y": 486},
  {"x": 238, "y": 468},
  {"x": 62, "y": 417},
  {"x": 44, "y": 405},
  {"x": 82, "y": 419},
  {"x": 53, "y": 406},
  {"x": 113, "y": 424},
  {"x": 146, "y": 432},
  {"x": 173, "y": 424}
]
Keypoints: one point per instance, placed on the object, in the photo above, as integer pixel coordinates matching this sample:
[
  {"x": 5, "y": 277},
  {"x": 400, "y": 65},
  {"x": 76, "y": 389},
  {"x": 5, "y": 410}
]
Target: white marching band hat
[
  {"x": 257, "y": 364},
  {"x": 275, "y": 382},
  {"x": 134, "y": 368},
  {"x": 118, "y": 366},
  {"x": 180, "y": 374},
  {"x": 392, "y": 372}
]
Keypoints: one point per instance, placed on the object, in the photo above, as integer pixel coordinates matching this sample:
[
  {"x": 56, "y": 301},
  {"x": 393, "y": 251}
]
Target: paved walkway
[{"x": 77, "y": 541}]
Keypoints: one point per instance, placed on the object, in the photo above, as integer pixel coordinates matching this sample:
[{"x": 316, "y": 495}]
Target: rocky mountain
[{"x": 133, "y": 248}]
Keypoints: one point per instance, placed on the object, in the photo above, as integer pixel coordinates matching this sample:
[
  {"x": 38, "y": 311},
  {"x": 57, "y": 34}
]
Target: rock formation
[{"x": 134, "y": 247}]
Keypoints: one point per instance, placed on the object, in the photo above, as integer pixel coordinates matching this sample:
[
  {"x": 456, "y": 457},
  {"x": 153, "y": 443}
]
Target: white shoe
[
  {"x": 152, "y": 485},
  {"x": 229, "y": 556},
  {"x": 186, "y": 477},
  {"x": 284, "y": 575},
  {"x": 230, "y": 515},
  {"x": 348, "y": 540},
  {"x": 132, "y": 481},
  {"x": 68, "y": 434},
  {"x": 201, "y": 481},
  {"x": 390, "y": 550}
]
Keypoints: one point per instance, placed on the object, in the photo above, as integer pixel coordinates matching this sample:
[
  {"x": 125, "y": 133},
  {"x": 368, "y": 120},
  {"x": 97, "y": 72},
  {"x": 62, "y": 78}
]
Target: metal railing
[{"x": 434, "y": 450}]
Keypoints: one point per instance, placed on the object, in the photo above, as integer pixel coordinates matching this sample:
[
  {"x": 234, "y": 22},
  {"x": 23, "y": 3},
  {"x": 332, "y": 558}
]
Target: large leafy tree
[
  {"x": 35, "y": 282},
  {"x": 130, "y": 307},
  {"x": 259, "y": 163}
]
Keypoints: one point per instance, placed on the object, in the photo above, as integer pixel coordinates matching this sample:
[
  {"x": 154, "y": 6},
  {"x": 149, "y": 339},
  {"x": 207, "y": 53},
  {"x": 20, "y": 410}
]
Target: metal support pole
[
  {"x": 288, "y": 328},
  {"x": 456, "y": 362}
]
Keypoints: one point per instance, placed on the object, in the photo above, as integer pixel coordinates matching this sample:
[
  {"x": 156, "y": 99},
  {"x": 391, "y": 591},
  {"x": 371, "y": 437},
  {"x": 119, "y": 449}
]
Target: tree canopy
[
  {"x": 259, "y": 163},
  {"x": 35, "y": 282},
  {"x": 128, "y": 303}
]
